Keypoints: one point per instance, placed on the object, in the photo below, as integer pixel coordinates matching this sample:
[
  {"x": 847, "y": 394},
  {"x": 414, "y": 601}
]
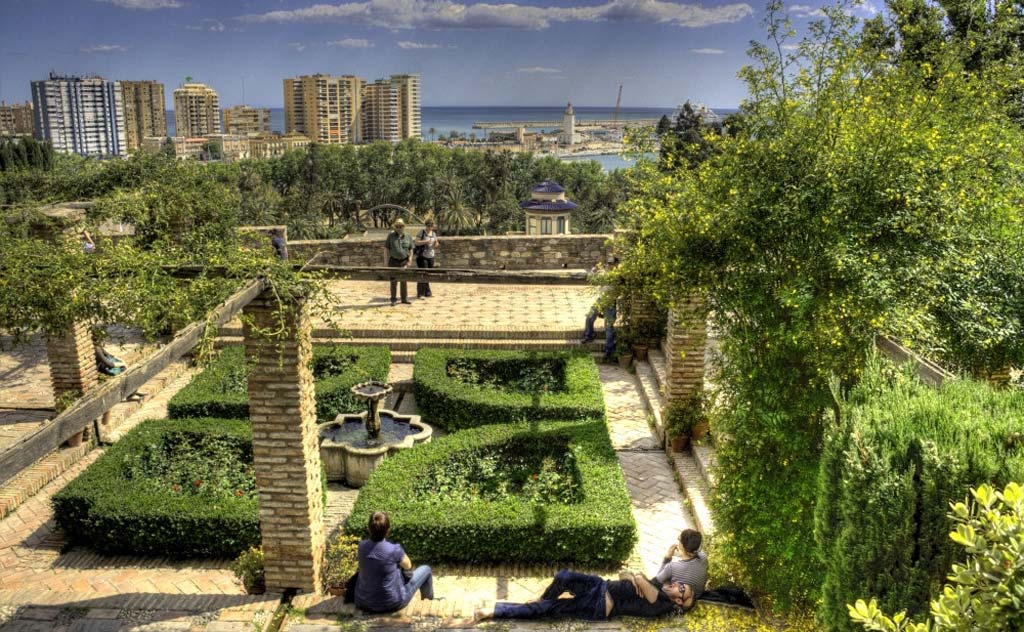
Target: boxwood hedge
[
  {"x": 112, "y": 510},
  {"x": 452, "y": 404},
  {"x": 599, "y": 529},
  {"x": 220, "y": 389}
]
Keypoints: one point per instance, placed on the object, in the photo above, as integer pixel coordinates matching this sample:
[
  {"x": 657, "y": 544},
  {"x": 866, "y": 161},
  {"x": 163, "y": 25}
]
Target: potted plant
[
  {"x": 248, "y": 568},
  {"x": 679, "y": 421},
  {"x": 341, "y": 563}
]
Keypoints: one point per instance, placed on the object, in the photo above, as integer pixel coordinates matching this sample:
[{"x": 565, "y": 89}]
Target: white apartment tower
[
  {"x": 196, "y": 110},
  {"x": 324, "y": 108},
  {"x": 381, "y": 112},
  {"x": 81, "y": 115},
  {"x": 408, "y": 105}
]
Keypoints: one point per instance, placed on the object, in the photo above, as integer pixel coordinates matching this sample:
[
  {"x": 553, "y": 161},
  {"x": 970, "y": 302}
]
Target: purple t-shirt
[{"x": 380, "y": 586}]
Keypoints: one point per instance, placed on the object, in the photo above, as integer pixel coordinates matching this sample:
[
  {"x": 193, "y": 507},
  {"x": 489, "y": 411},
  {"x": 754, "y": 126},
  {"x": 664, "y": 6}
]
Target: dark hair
[
  {"x": 691, "y": 539},
  {"x": 379, "y": 525},
  {"x": 429, "y": 222}
]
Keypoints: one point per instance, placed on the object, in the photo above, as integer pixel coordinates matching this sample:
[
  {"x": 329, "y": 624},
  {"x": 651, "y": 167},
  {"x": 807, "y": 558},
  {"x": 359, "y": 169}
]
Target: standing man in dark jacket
[{"x": 399, "y": 252}]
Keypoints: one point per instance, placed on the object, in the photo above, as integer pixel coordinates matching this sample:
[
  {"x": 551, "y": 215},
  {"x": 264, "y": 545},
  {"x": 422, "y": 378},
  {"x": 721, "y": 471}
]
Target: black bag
[{"x": 418, "y": 250}]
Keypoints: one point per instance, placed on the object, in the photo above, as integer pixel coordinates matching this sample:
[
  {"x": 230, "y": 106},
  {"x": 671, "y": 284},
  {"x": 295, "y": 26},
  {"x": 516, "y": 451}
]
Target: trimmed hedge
[
  {"x": 597, "y": 530},
  {"x": 109, "y": 510},
  {"x": 220, "y": 389},
  {"x": 900, "y": 454},
  {"x": 453, "y": 405}
]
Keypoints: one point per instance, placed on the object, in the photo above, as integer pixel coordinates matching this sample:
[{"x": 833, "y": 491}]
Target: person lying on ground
[{"x": 596, "y": 599}]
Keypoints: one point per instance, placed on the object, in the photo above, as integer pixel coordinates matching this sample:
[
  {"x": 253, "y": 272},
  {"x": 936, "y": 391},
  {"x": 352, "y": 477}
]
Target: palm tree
[{"x": 431, "y": 131}]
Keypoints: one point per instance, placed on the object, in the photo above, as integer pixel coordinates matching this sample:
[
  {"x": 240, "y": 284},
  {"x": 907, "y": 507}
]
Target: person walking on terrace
[
  {"x": 425, "y": 250},
  {"x": 380, "y": 584},
  {"x": 686, "y": 563},
  {"x": 399, "y": 252},
  {"x": 596, "y": 599}
]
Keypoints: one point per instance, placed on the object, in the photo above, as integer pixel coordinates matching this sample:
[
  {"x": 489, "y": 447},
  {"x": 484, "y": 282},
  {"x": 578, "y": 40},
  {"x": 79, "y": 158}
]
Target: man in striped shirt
[{"x": 685, "y": 563}]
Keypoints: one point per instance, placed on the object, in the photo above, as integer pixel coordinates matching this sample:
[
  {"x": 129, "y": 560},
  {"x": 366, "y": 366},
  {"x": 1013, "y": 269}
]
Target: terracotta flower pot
[
  {"x": 75, "y": 440},
  {"x": 625, "y": 361},
  {"x": 640, "y": 352},
  {"x": 336, "y": 591},
  {"x": 679, "y": 442},
  {"x": 700, "y": 429}
]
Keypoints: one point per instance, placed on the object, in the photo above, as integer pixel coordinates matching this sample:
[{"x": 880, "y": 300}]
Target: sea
[{"x": 444, "y": 120}]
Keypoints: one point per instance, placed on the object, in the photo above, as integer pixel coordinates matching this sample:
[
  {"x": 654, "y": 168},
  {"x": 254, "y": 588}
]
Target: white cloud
[
  {"x": 805, "y": 11},
  {"x": 352, "y": 42},
  {"x": 446, "y": 14},
  {"x": 145, "y": 5},
  {"x": 298, "y": 47},
  {"x": 104, "y": 48},
  {"x": 209, "y": 24},
  {"x": 708, "y": 51},
  {"x": 539, "y": 70},
  {"x": 790, "y": 47},
  {"x": 417, "y": 45}
]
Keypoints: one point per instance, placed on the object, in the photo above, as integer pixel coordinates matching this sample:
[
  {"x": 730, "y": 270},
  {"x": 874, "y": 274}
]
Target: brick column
[
  {"x": 286, "y": 449},
  {"x": 641, "y": 317},
  {"x": 72, "y": 361},
  {"x": 685, "y": 338}
]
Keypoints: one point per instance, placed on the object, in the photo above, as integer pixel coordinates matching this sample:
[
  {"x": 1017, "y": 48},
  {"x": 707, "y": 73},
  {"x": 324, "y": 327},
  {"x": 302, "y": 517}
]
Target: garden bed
[
  {"x": 459, "y": 388},
  {"x": 221, "y": 389},
  {"x": 549, "y": 492},
  {"x": 176, "y": 488}
]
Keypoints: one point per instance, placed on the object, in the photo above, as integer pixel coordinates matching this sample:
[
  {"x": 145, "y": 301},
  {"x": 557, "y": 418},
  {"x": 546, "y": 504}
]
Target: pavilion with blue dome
[{"x": 547, "y": 210}]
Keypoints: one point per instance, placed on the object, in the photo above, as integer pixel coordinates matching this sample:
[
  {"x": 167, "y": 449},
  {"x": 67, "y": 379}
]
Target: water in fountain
[{"x": 354, "y": 432}]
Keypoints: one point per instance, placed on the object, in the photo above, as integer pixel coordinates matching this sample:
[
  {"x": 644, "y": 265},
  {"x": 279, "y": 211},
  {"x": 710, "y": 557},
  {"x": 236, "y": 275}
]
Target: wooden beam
[
  {"x": 81, "y": 414},
  {"x": 429, "y": 275}
]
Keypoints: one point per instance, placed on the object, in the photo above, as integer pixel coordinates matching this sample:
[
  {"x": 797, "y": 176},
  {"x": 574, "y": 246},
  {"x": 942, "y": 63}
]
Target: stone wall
[
  {"x": 72, "y": 361},
  {"x": 504, "y": 252},
  {"x": 286, "y": 449}
]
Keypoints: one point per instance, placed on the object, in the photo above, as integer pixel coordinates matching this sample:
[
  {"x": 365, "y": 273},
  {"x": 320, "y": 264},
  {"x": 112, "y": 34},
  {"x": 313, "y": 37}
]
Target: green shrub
[
  {"x": 987, "y": 593},
  {"x": 220, "y": 390},
  {"x": 597, "y": 529},
  {"x": 446, "y": 400},
  {"x": 140, "y": 497},
  {"x": 249, "y": 569},
  {"x": 900, "y": 453}
]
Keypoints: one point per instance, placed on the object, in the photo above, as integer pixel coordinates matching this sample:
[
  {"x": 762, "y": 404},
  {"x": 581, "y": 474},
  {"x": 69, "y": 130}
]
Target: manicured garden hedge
[
  {"x": 220, "y": 389},
  {"x": 901, "y": 453},
  {"x": 113, "y": 509},
  {"x": 598, "y": 529},
  {"x": 452, "y": 404}
]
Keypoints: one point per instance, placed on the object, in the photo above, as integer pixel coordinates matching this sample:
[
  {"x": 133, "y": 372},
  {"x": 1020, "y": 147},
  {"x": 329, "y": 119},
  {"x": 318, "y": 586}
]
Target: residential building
[
  {"x": 232, "y": 146},
  {"x": 324, "y": 108},
  {"x": 381, "y": 112},
  {"x": 272, "y": 145},
  {"x": 144, "y": 111},
  {"x": 15, "y": 119},
  {"x": 81, "y": 115},
  {"x": 409, "y": 124},
  {"x": 244, "y": 120},
  {"x": 196, "y": 111}
]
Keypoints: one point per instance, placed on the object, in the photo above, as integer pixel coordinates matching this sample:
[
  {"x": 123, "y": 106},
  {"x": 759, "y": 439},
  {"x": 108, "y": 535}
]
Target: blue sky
[{"x": 520, "y": 52}]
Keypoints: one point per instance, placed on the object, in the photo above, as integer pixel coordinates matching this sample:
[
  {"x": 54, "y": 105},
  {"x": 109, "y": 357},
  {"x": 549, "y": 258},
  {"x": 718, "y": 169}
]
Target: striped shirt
[{"x": 693, "y": 571}]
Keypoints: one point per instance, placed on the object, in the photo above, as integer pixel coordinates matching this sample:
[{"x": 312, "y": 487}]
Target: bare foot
[{"x": 482, "y": 613}]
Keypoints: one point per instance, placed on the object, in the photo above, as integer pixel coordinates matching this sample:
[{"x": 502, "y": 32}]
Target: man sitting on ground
[
  {"x": 596, "y": 599},
  {"x": 691, "y": 565}
]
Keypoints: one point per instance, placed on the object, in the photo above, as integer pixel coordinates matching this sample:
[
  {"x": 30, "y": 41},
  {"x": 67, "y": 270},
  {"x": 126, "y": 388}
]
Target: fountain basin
[{"x": 349, "y": 455}]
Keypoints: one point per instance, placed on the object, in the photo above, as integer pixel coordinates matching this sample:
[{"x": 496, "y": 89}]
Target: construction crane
[{"x": 615, "y": 116}]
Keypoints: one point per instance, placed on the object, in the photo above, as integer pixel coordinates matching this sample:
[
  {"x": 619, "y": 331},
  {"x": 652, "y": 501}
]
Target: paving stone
[
  {"x": 228, "y": 626},
  {"x": 312, "y": 627},
  {"x": 40, "y": 614},
  {"x": 96, "y": 625}
]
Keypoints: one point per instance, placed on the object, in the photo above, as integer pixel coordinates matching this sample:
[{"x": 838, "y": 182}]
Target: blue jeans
[
  {"x": 422, "y": 580},
  {"x": 609, "y": 328},
  {"x": 587, "y": 602}
]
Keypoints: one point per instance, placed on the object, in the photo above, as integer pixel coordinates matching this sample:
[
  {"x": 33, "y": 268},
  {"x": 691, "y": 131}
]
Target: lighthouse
[{"x": 568, "y": 126}]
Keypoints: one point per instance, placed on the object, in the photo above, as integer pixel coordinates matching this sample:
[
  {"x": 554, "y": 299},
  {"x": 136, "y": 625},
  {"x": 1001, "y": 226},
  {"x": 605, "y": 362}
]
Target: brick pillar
[
  {"x": 685, "y": 338},
  {"x": 286, "y": 449},
  {"x": 641, "y": 317},
  {"x": 72, "y": 361}
]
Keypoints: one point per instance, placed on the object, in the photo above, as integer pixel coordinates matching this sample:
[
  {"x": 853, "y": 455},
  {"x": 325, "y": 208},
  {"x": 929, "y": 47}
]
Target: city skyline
[{"x": 472, "y": 54}]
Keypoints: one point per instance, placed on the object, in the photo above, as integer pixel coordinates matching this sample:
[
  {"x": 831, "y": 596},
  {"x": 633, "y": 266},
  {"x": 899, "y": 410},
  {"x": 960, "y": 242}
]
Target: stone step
[
  {"x": 651, "y": 397},
  {"x": 398, "y": 345},
  {"x": 705, "y": 457},
  {"x": 658, "y": 364},
  {"x": 696, "y": 488},
  {"x": 324, "y": 333}
]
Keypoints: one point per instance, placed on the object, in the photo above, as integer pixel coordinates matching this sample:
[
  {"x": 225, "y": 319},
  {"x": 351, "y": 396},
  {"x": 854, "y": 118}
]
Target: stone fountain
[{"x": 353, "y": 445}]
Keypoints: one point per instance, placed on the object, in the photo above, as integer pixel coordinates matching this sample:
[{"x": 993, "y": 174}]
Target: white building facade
[{"x": 80, "y": 115}]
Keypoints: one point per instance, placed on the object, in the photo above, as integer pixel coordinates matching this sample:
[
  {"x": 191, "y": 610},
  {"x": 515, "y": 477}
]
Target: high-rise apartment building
[
  {"x": 391, "y": 109},
  {"x": 81, "y": 115},
  {"x": 408, "y": 86},
  {"x": 196, "y": 110},
  {"x": 15, "y": 119},
  {"x": 381, "y": 112},
  {"x": 244, "y": 120},
  {"x": 324, "y": 108},
  {"x": 144, "y": 113}
]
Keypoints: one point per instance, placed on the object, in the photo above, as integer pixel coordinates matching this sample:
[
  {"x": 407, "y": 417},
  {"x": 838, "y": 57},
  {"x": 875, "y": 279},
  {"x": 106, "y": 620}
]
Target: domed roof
[
  {"x": 548, "y": 186},
  {"x": 548, "y": 205}
]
